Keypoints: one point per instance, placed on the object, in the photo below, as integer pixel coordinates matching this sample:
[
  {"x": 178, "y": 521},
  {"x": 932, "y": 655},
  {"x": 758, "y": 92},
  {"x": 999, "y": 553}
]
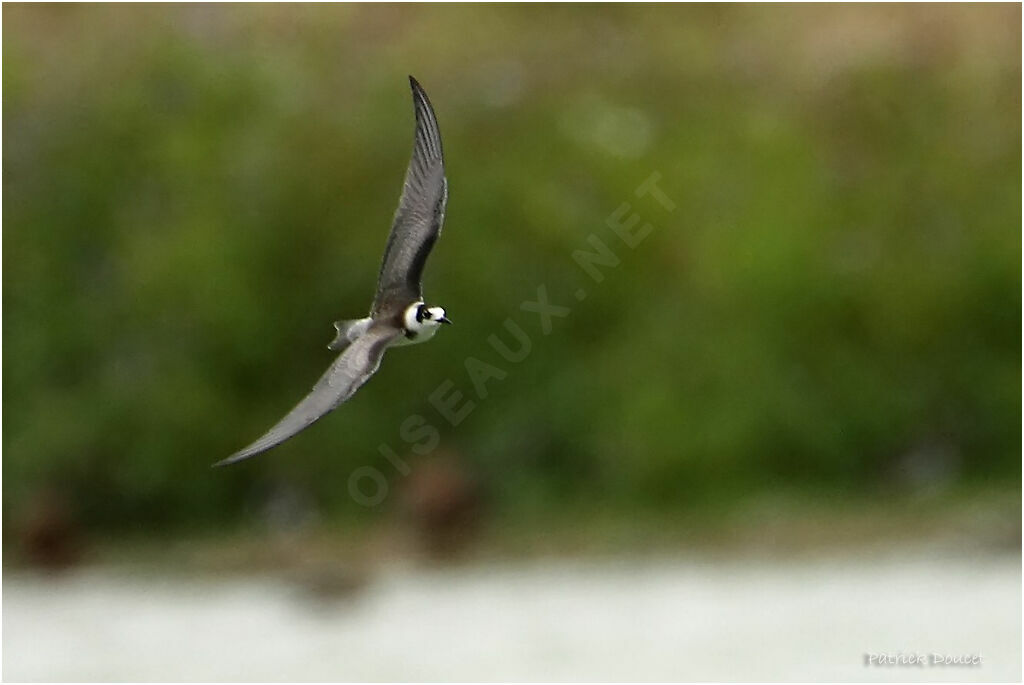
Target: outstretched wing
[
  {"x": 420, "y": 213},
  {"x": 350, "y": 370}
]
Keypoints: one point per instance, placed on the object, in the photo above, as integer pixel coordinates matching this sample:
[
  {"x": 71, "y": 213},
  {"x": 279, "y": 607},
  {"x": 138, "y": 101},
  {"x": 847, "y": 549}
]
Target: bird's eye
[{"x": 427, "y": 314}]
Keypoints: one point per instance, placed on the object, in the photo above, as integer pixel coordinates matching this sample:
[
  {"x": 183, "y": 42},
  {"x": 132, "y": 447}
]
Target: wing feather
[
  {"x": 420, "y": 214},
  {"x": 350, "y": 370}
]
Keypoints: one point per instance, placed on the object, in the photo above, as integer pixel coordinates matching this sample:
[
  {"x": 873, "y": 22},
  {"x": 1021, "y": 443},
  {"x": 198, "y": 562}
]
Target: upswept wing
[
  {"x": 420, "y": 213},
  {"x": 350, "y": 370}
]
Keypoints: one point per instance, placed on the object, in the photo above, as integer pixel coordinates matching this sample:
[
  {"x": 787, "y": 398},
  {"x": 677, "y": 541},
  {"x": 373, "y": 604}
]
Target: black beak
[{"x": 445, "y": 319}]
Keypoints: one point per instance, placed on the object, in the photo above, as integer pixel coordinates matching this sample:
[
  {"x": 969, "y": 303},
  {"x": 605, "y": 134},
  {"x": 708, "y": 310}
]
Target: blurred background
[{"x": 783, "y": 432}]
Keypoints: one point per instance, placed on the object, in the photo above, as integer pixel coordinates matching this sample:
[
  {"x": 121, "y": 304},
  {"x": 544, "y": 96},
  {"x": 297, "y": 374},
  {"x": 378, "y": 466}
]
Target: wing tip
[
  {"x": 427, "y": 130},
  {"x": 233, "y": 459},
  {"x": 224, "y": 462},
  {"x": 417, "y": 90},
  {"x": 419, "y": 93}
]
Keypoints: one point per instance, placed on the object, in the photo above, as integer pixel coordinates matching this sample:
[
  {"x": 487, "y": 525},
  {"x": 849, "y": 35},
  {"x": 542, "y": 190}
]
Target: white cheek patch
[{"x": 409, "y": 319}]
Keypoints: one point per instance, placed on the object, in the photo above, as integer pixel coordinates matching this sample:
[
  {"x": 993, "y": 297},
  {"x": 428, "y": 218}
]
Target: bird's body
[
  {"x": 398, "y": 315},
  {"x": 416, "y": 331}
]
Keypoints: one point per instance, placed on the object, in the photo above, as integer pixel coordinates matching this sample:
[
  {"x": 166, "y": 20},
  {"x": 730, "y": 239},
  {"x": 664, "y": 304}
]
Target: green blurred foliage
[{"x": 193, "y": 193}]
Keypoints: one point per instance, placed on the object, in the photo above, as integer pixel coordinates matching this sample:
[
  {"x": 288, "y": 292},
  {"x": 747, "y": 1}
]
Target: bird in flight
[{"x": 398, "y": 316}]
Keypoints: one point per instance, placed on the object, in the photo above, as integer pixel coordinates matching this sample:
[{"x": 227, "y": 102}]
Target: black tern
[{"x": 398, "y": 315}]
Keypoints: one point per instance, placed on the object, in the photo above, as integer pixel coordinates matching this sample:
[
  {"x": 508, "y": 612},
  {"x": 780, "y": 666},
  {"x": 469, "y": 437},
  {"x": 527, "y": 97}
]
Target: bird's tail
[{"x": 348, "y": 331}]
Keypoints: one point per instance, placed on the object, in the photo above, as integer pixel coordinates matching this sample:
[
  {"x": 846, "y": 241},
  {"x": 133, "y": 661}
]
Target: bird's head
[{"x": 420, "y": 317}]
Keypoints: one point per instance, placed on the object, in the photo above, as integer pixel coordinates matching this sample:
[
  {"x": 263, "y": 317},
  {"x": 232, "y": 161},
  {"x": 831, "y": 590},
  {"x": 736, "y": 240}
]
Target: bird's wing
[
  {"x": 420, "y": 212},
  {"x": 350, "y": 370}
]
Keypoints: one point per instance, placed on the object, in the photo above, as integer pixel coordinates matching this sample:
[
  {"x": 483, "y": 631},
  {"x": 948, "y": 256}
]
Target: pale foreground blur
[{"x": 642, "y": 619}]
